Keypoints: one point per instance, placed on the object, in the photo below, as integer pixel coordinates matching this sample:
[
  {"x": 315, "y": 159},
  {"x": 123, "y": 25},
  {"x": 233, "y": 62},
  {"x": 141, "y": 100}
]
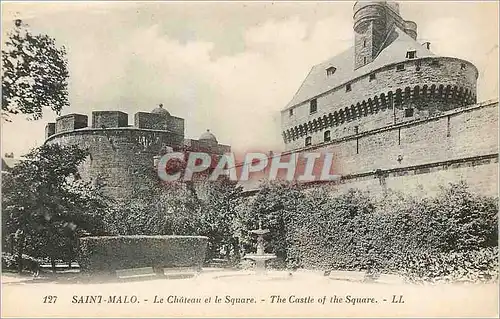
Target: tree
[
  {"x": 46, "y": 205},
  {"x": 219, "y": 201},
  {"x": 34, "y": 74},
  {"x": 276, "y": 205},
  {"x": 156, "y": 208},
  {"x": 198, "y": 207}
]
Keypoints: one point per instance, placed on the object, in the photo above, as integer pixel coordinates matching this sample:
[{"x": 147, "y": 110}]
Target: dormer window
[
  {"x": 372, "y": 76},
  {"x": 348, "y": 87},
  {"x": 330, "y": 71},
  {"x": 290, "y": 112},
  {"x": 400, "y": 67},
  {"x": 412, "y": 54}
]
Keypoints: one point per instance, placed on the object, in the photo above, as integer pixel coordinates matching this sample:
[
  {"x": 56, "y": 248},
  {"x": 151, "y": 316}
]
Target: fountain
[{"x": 260, "y": 257}]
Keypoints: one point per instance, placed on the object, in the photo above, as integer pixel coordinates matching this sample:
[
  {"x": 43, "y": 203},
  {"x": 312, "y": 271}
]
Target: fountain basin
[
  {"x": 260, "y": 231},
  {"x": 262, "y": 257}
]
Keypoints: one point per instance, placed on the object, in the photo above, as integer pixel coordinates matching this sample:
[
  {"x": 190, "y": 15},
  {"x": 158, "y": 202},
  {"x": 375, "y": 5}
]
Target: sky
[{"x": 225, "y": 66}]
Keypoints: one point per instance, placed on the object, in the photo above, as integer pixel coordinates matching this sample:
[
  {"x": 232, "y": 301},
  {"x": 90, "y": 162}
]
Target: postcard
[{"x": 249, "y": 159}]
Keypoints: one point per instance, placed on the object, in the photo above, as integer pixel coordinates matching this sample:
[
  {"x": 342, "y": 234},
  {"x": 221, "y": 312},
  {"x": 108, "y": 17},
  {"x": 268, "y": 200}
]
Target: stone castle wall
[
  {"x": 427, "y": 86},
  {"x": 419, "y": 155},
  {"x": 480, "y": 174},
  {"x": 67, "y": 123},
  {"x": 121, "y": 158},
  {"x": 106, "y": 119}
]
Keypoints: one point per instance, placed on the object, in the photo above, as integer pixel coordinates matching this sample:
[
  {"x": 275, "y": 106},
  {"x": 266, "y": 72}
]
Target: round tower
[
  {"x": 369, "y": 30},
  {"x": 411, "y": 29},
  {"x": 366, "y": 12},
  {"x": 121, "y": 156}
]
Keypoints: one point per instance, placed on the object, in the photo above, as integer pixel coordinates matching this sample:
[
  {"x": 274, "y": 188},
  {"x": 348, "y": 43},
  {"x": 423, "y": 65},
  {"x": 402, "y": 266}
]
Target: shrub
[
  {"x": 110, "y": 253},
  {"x": 449, "y": 236},
  {"x": 470, "y": 266},
  {"x": 9, "y": 262}
]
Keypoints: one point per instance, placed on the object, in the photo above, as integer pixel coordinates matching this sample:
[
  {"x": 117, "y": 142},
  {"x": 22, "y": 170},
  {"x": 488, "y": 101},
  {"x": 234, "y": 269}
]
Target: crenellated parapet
[
  {"x": 389, "y": 108},
  {"x": 70, "y": 122},
  {"x": 108, "y": 119},
  {"x": 122, "y": 156},
  {"x": 105, "y": 120}
]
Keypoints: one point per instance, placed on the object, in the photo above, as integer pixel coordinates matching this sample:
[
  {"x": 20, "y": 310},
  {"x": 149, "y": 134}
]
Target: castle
[
  {"x": 122, "y": 155},
  {"x": 393, "y": 113}
]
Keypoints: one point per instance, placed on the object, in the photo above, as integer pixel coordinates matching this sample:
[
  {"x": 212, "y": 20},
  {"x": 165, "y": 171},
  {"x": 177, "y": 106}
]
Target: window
[
  {"x": 364, "y": 60},
  {"x": 308, "y": 141},
  {"x": 290, "y": 112},
  {"x": 372, "y": 77},
  {"x": 462, "y": 66},
  {"x": 330, "y": 71},
  {"x": 348, "y": 87},
  {"x": 313, "y": 106},
  {"x": 364, "y": 43},
  {"x": 356, "y": 129},
  {"x": 417, "y": 65},
  {"x": 409, "y": 112},
  {"x": 326, "y": 136},
  {"x": 400, "y": 67},
  {"x": 411, "y": 54}
]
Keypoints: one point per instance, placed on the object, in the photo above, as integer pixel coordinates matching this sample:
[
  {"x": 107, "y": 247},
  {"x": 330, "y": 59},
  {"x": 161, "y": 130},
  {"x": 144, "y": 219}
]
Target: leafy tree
[
  {"x": 277, "y": 206},
  {"x": 219, "y": 201},
  {"x": 199, "y": 207},
  {"x": 156, "y": 208},
  {"x": 34, "y": 74},
  {"x": 46, "y": 205}
]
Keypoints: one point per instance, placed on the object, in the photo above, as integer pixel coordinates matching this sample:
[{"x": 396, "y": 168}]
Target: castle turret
[
  {"x": 374, "y": 21},
  {"x": 411, "y": 29},
  {"x": 370, "y": 31}
]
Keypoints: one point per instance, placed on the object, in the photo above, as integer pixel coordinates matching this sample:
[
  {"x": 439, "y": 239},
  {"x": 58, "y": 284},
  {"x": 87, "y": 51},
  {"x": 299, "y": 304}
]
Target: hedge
[
  {"x": 110, "y": 253},
  {"x": 470, "y": 266},
  {"x": 451, "y": 236}
]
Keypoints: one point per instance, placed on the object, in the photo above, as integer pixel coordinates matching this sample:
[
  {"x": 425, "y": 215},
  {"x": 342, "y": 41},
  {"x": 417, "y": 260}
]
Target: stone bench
[
  {"x": 135, "y": 273},
  {"x": 145, "y": 272},
  {"x": 361, "y": 276},
  {"x": 181, "y": 271}
]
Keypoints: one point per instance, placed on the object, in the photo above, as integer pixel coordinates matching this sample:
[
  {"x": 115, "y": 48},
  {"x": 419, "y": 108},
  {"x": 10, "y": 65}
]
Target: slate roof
[{"x": 317, "y": 81}]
